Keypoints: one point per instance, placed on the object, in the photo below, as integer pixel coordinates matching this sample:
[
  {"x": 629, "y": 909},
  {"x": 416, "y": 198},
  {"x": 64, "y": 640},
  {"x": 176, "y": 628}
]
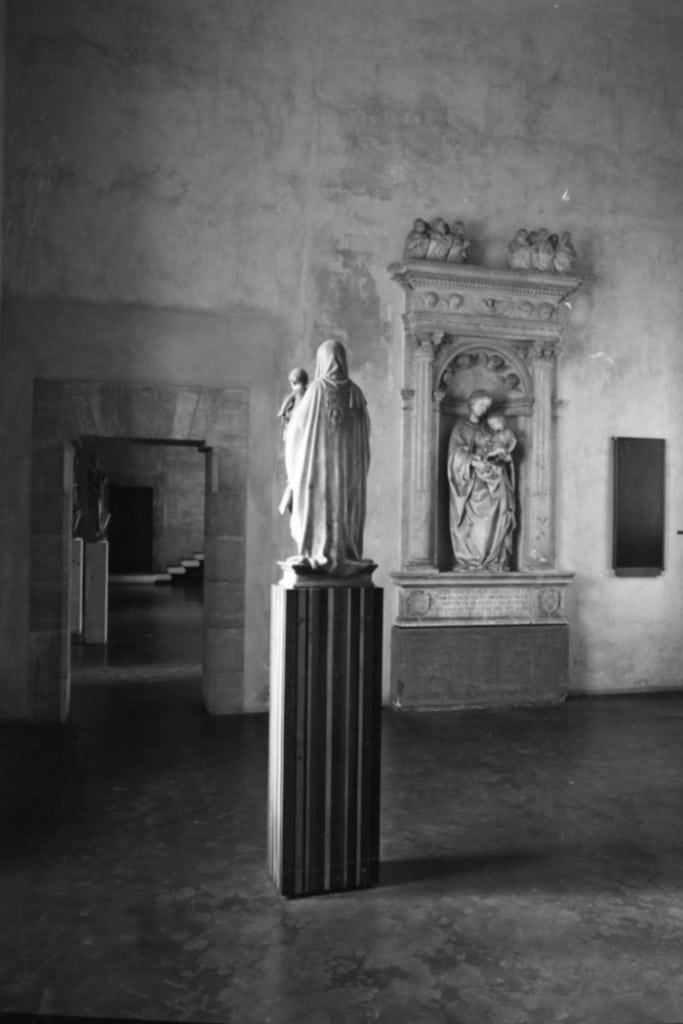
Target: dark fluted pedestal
[{"x": 325, "y": 724}]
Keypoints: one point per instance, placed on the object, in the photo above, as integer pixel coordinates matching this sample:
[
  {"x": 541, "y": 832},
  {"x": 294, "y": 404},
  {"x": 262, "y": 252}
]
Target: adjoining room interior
[{"x": 153, "y": 494}]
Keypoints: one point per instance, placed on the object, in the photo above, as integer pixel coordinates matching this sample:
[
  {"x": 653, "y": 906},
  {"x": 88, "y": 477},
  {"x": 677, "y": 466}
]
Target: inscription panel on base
[{"x": 438, "y": 600}]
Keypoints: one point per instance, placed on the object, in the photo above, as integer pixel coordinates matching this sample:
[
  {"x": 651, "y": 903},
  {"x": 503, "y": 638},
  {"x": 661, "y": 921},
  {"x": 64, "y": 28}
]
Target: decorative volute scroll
[{"x": 469, "y": 328}]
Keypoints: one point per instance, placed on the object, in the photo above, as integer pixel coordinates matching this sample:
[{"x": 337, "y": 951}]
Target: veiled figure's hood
[{"x": 331, "y": 367}]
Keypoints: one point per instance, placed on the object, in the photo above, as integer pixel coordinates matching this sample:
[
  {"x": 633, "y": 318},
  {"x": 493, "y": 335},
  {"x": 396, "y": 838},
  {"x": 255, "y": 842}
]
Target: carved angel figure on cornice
[
  {"x": 417, "y": 241},
  {"x": 459, "y": 245},
  {"x": 539, "y": 250}
]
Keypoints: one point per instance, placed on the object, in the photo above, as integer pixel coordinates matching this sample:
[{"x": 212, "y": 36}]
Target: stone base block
[
  {"x": 96, "y": 592},
  {"x": 476, "y": 666},
  {"x": 325, "y": 725},
  {"x": 76, "y": 587}
]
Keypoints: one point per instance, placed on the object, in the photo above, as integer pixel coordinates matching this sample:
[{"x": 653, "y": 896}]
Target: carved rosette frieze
[
  {"x": 491, "y": 305},
  {"x": 499, "y": 300}
]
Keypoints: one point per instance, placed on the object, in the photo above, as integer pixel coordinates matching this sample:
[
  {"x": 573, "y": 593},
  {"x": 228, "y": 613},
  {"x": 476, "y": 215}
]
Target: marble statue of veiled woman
[
  {"x": 327, "y": 455},
  {"x": 482, "y": 499}
]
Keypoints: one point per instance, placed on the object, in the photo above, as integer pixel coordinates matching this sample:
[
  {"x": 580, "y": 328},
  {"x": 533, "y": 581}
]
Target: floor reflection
[{"x": 154, "y": 631}]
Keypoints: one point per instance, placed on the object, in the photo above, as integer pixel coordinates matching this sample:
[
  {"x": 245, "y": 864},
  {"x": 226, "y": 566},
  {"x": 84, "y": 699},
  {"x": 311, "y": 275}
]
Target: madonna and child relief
[{"x": 481, "y": 483}]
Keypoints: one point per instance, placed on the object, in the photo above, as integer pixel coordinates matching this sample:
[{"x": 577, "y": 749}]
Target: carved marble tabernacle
[{"x": 469, "y": 328}]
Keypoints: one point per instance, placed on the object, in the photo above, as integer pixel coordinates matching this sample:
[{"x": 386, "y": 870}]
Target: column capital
[
  {"x": 544, "y": 350},
  {"x": 428, "y": 343}
]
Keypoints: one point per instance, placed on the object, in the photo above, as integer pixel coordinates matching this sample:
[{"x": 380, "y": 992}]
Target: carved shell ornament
[{"x": 481, "y": 367}]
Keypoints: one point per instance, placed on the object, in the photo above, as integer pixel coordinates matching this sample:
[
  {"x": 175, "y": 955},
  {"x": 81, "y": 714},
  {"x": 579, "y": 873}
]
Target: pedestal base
[
  {"x": 76, "y": 587},
  {"x": 96, "y": 592},
  {"x": 477, "y": 666},
  {"x": 325, "y": 728}
]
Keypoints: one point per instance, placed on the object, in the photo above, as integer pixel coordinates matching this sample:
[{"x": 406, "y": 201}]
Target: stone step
[{"x": 139, "y": 577}]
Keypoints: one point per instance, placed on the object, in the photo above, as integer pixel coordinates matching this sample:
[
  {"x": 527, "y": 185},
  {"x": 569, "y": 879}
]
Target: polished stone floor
[{"x": 532, "y": 863}]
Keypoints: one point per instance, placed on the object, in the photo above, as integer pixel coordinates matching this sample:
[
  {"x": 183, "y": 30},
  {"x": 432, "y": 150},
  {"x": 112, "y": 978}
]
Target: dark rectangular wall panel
[
  {"x": 325, "y": 730},
  {"x": 638, "y": 541}
]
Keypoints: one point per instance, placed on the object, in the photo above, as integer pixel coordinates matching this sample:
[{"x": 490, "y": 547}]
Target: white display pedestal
[
  {"x": 96, "y": 592},
  {"x": 76, "y": 587}
]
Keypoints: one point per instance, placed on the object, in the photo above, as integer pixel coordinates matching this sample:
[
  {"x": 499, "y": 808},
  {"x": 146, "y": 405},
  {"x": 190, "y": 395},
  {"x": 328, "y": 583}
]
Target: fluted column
[
  {"x": 408, "y": 399},
  {"x": 419, "y": 482},
  {"x": 540, "y": 528}
]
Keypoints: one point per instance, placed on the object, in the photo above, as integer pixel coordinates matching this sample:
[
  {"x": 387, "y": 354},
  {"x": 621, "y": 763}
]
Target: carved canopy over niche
[{"x": 463, "y": 366}]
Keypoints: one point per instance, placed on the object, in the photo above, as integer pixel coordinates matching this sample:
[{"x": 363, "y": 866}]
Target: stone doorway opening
[{"x": 215, "y": 420}]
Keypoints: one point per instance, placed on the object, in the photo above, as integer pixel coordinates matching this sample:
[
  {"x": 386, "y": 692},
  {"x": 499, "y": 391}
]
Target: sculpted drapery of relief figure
[
  {"x": 327, "y": 455},
  {"x": 482, "y": 489}
]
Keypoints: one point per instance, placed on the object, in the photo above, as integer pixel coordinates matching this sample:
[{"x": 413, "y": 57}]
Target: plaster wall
[{"x": 201, "y": 193}]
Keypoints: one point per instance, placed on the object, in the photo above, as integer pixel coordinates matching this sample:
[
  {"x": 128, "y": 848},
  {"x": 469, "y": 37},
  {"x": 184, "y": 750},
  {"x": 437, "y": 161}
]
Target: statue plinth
[
  {"x": 325, "y": 732},
  {"x": 297, "y": 573}
]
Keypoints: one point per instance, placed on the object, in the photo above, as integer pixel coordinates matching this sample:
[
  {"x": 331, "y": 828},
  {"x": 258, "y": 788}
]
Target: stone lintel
[
  {"x": 430, "y": 274},
  {"x": 452, "y": 298},
  {"x": 481, "y": 599}
]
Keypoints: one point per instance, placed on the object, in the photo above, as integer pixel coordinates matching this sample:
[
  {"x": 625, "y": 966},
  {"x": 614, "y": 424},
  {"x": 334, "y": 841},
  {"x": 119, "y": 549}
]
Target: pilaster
[
  {"x": 539, "y": 526},
  {"x": 419, "y": 485}
]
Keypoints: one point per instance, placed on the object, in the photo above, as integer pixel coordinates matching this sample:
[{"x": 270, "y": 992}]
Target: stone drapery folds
[{"x": 327, "y": 456}]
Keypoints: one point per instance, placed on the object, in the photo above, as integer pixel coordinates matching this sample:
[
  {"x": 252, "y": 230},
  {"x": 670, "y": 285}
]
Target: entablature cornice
[
  {"x": 444, "y": 294},
  {"x": 425, "y": 275},
  {"x": 420, "y": 325}
]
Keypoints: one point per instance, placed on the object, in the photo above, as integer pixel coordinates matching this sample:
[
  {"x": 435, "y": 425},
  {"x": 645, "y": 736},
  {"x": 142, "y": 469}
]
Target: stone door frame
[{"x": 216, "y": 420}]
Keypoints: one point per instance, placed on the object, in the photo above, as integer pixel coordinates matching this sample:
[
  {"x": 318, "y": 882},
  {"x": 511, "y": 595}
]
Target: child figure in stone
[
  {"x": 298, "y": 382},
  {"x": 503, "y": 440}
]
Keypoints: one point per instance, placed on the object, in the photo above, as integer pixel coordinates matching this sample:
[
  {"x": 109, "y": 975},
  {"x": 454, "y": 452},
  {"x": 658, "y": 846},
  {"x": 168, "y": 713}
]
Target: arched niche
[{"x": 462, "y": 366}]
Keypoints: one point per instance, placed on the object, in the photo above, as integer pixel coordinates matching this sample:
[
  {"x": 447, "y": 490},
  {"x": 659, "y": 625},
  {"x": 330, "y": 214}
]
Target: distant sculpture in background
[
  {"x": 539, "y": 250},
  {"x": 76, "y": 513},
  {"x": 298, "y": 382},
  {"x": 99, "y": 516},
  {"x": 482, "y": 489},
  {"x": 327, "y": 455},
  {"x": 436, "y": 241}
]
